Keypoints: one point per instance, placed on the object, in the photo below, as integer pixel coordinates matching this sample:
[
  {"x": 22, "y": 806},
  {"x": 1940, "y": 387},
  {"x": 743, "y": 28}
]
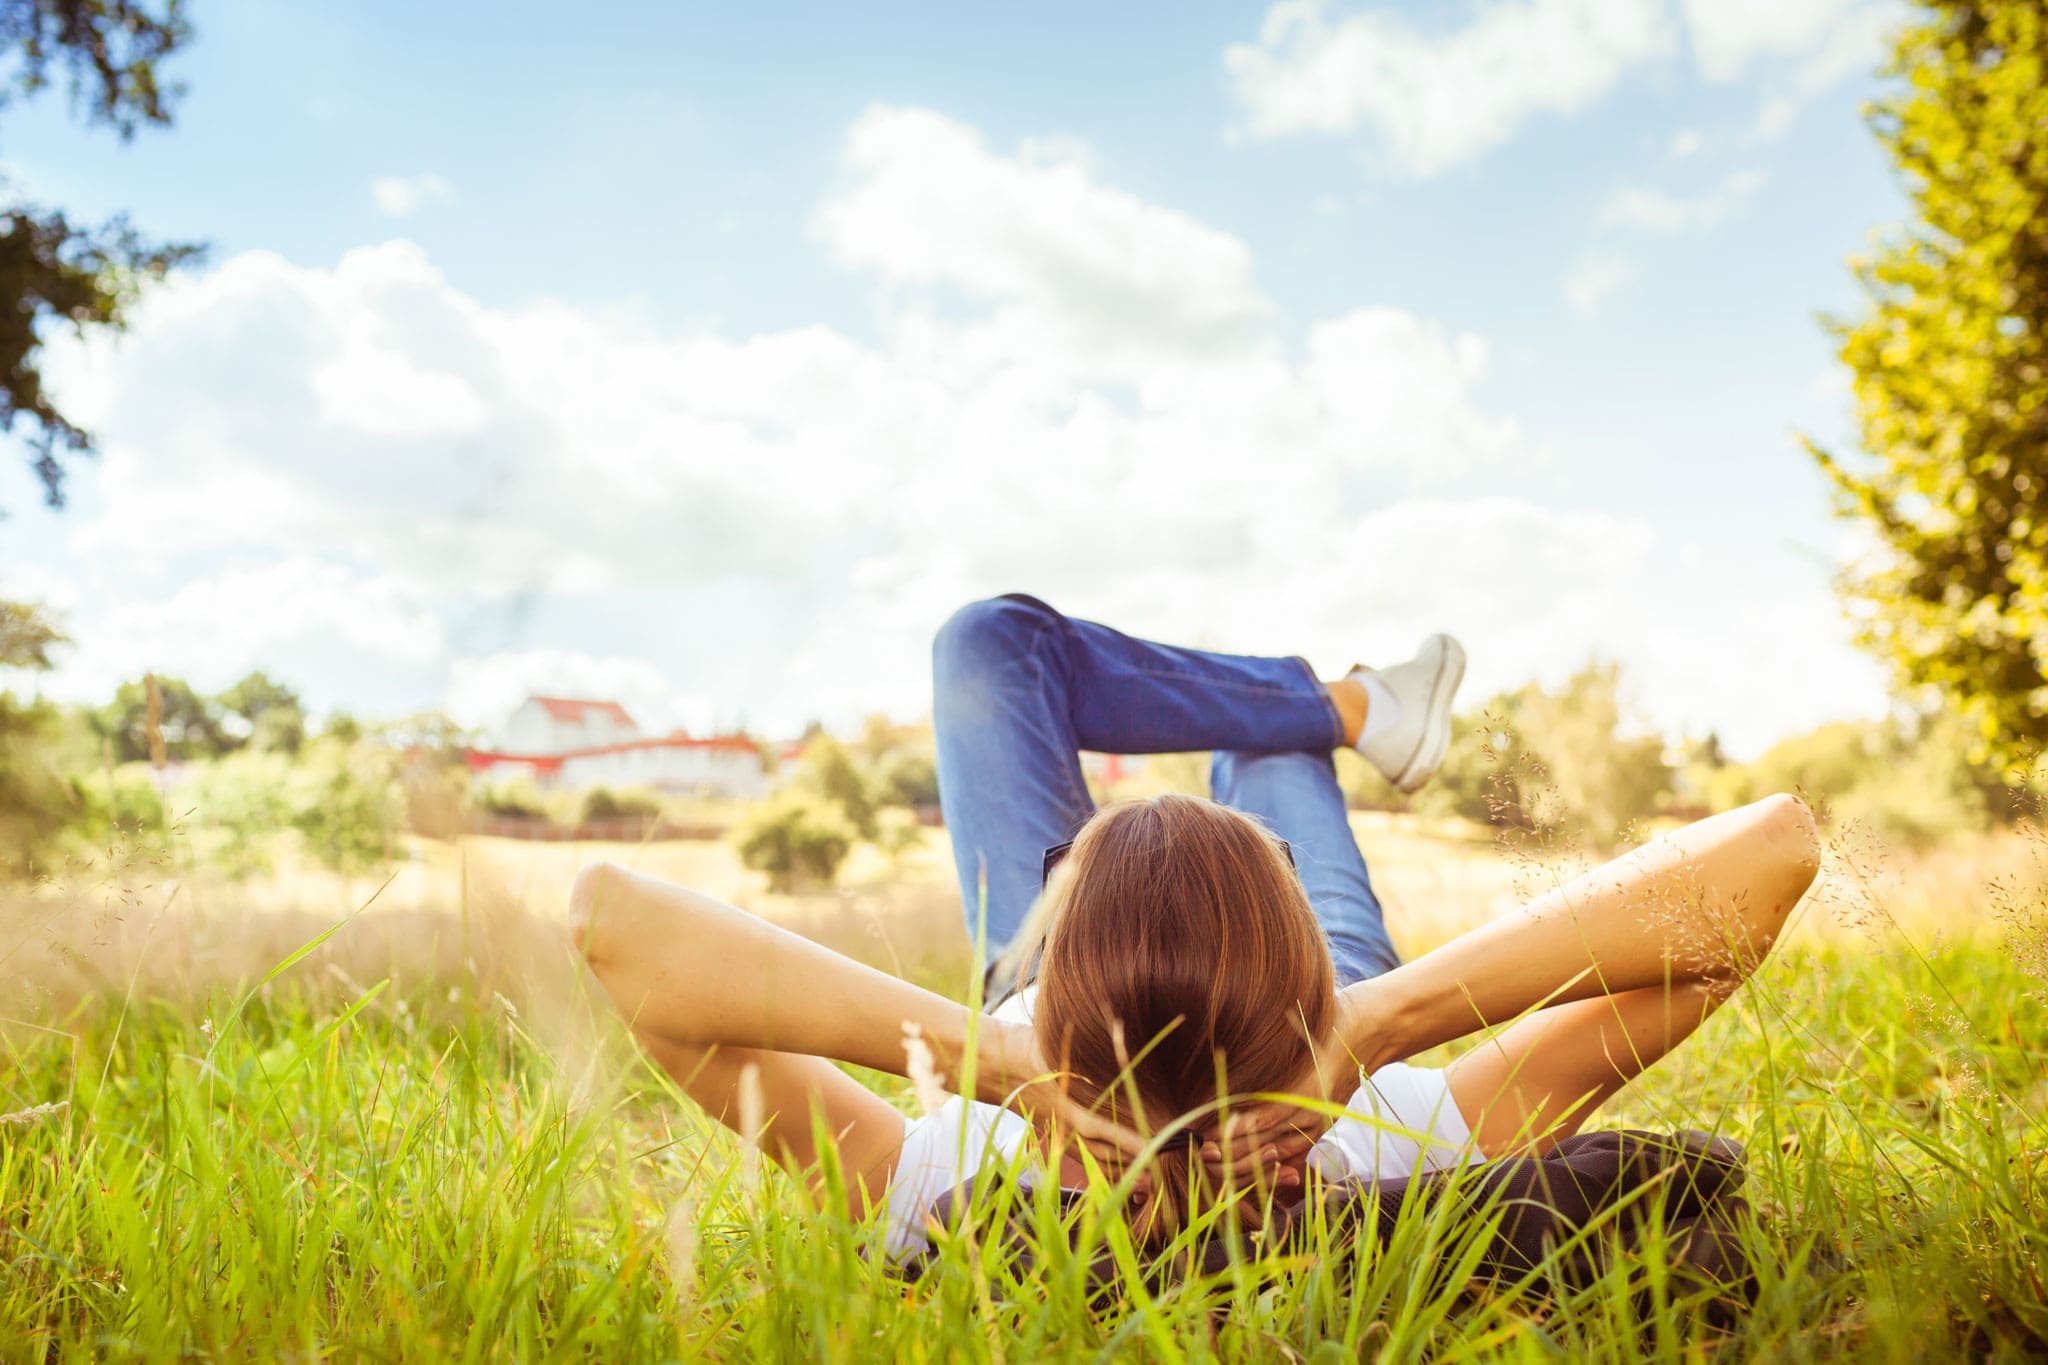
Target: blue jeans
[{"x": 1019, "y": 690}]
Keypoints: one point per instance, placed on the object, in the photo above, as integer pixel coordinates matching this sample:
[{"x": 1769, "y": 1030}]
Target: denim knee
[{"x": 988, "y": 631}]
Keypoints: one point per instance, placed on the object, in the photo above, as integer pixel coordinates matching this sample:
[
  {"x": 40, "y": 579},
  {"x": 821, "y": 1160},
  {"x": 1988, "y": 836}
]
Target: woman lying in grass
[{"x": 1187, "y": 951}]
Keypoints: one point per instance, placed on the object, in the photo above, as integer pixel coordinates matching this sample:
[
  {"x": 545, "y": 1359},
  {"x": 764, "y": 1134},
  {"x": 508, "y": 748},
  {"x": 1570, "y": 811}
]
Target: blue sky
[{"x": 706, "y": 355}]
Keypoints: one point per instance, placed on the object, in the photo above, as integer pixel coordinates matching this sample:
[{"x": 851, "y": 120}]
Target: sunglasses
[{"x": 1054, "y": 854}]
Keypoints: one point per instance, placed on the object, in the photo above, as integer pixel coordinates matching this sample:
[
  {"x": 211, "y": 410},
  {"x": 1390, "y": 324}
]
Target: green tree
[
  {"x": 269, "y": 712},
  {"x": 829, "y": 771},
  {"x": 906, "y": 777},
  {"x": 191, "y": 722},
  {"x": 1950, "y": 362},
  {"x": 346, "y": 804},
  {"x": 35, "y": 800},
  {"x": 51, "y": 269},
  {"x": 1553, "y": 759},
  {"x": 27, "y": 635},
  {"x": 797, "y": 837},
  {"x": 1602, "y": 778},
  {"x": 238, "y": 806}
]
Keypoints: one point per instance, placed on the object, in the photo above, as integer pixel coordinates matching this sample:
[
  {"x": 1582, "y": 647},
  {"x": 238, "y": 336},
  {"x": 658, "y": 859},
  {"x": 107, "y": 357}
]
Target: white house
[
  {"x": 573, "y": 743},
  {"x": 556, "y": 725}
]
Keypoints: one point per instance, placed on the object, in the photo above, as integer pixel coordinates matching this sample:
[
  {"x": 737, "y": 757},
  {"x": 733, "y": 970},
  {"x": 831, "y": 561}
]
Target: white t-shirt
[{"x": 1402, "y": 1121}]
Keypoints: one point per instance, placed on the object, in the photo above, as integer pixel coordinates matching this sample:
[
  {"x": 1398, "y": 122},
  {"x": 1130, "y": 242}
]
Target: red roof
[
  {"x": 577, "y": 709},
  {"x": 483, "y": 758}
]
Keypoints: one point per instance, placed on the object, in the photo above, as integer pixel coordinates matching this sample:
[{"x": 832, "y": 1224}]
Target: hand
[
  {"x": 1012, "y": 1071},
  {"x": 1270, "y": 1141}
]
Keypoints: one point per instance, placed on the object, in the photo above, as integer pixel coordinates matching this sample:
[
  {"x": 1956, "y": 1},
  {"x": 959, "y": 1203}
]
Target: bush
[
  {"x": 828, "y": 771},
  {"x": 118, "y": 803},
  {"x": 1553, "y": 759},
  {"x": 797, "y": 837},
  {"x": 907, "y": 777},
  {"x": 346, "y": 804},
  {"x": 436, "y": 796},
  {"x": 513, "y": 797},
  {"x": 602, "y": 803},
  {"x": 36, "y": 803},
  {"x": 1910, "y": 779},
  {"x": 239, "y": 806}
]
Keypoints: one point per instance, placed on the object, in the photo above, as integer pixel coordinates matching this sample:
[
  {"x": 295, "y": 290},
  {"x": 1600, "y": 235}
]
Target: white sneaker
[{"x": 1412, "y": 748}]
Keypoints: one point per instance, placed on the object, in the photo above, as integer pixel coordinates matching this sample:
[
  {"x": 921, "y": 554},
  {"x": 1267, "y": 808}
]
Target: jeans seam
[
  {"x": 1329, "y": 703},
  {"x": 1080, "y": 798},
  {"x": 1270, "y": 689}
]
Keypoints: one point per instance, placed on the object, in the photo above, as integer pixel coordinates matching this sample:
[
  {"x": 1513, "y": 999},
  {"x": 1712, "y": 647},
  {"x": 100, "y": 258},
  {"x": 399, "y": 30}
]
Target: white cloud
[
  {"x": 368, "y": 481},
  {"x": 1436, "y": 99},
  {"x": 401, "y": 196},
  {"x": 1685, "y": 143},
  {"x": 1655, "y": 211},
  {"x": 927, "y": 204},
  {"x": 1727, "y": 34},
  {"x": 1807, "y": 46},
  {"x": 1775, "y": 117},
  {"x": 298, "y": 614},
  {"x": 1593, "y": 280}
]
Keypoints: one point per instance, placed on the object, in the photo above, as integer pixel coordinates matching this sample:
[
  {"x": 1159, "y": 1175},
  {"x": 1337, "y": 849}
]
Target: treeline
[
  {"x": 1567, "y": 760},
  {"x": 239, "y": 780},
  {"x": 1569, "y": 763}
]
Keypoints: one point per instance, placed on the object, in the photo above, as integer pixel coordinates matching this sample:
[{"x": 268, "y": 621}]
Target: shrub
[
  {"x": 1553, "y": 759},
  {"x": 36, "y": 803},
  {"x": 515, "y": 797},
  {"x": 1911, "y": 779},
  {"x": 828, "y": 771},
  {"x": 436, "y": 796},
  {"x": 797, "y": 837},
  {"x": 346, "y": 804},
  {"x": 907, "y": 777},
  {"x": 239, "y": 806},
  {"x": 118, "y": 805},
  {"x": 602, "y": 803}
]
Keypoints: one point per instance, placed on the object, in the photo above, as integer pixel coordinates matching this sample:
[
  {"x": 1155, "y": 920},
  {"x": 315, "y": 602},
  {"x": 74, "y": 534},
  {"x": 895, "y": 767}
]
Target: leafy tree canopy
[
  {"x": 53, "y": 270},
  {"x": 26, "y": 636},
  {"x": 268, "y": 714},
  {"x": 1950, "y": 366},
  {"x": 191, "y": 722}
]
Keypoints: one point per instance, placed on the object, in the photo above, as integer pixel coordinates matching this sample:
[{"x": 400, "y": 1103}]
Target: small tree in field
[
  {"x": 34, "y": 801},
  {"x": 797, "y": 838},
  {"x": 1951, "y": 376}
]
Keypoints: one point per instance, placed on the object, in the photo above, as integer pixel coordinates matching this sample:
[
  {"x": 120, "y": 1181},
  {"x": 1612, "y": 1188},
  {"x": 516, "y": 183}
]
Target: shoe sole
[{"x": 1434, "y": 744}]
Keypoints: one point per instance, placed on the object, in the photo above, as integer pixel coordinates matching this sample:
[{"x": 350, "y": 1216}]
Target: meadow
[{"x": 307, "y": 1118}]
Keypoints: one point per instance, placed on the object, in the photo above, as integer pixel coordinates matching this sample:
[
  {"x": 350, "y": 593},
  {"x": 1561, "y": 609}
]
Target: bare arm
[
  {"x": 692, "y": 971},
  {"x": 1602, "y": 977},
  {"x": 1704, "y": 903}
]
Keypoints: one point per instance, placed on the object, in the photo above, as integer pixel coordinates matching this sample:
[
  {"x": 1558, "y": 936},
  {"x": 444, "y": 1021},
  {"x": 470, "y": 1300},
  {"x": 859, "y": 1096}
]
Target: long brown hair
[{"x": 1180, "y": 953}]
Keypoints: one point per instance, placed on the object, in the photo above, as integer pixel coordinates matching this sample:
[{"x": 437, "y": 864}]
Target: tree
[
  {"x": 797, "y": 837},
  {"x": 1950, "y": 364},
  {"x": 191, "y": 723},
  {"x": 26, "y": 636},
  {"x": 35, "y": 801},
  {"x": 1553, "y": 760},
  {"x": 829, "y": 771},
  {"x": 271, "y": 712},
  {"x": 51, "y": 269}
]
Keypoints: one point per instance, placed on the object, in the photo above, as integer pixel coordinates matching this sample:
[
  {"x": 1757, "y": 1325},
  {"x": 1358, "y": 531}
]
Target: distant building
[{"x": 571, "y": 743}]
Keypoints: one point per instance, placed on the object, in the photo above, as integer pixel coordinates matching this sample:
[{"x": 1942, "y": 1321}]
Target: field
[{"x": 419, "y": 1141}]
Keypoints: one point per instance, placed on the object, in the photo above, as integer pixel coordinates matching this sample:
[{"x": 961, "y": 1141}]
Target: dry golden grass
[{"x": 486, "y": 911}]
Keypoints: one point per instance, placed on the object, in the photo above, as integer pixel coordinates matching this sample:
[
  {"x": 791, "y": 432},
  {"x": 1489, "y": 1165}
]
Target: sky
[{"x": 708, "y": 356}]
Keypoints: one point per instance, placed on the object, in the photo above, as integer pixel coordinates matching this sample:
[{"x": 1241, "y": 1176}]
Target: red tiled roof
[
  {"x": 574, "y": 709},
  {"x": 483, "y": 758}
]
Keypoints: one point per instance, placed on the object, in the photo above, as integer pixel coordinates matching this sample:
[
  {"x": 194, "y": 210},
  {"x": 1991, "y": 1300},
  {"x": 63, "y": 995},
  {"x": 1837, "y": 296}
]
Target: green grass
[{"x": 410, "y": 1174}]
